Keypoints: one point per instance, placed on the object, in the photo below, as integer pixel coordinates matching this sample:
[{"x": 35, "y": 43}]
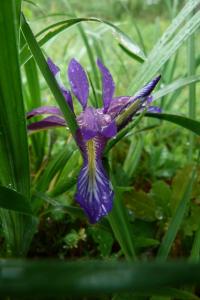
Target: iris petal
[
  {"x": 154, "y": 109},
  {"x": 94, "y": 190},
  {"x": 93, "y": 122},
  {"x": 108, "y": 85},
  {"x": 42, "y": 110},
  {"x": 56, "y": 72},
  {"x": 117, "y": 105},
  {"x": 49, "y": 122},
  {"x": 54, "y": 69},
  {"x": 79, "y": 82},
  {"x": 147, "y": 89}
]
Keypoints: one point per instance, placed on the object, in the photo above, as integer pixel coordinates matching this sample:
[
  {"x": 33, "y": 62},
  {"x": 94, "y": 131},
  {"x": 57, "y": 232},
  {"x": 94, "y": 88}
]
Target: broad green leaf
[
  {"x": 161, "y": 193},
  {"x": 12, "y": 200},
  {"x": 178, "y": 186},
  {"x": 141, "y": 204},
  {"x": 61, "y": 278},
  {"x": 177, "y": 219},
  {"x": 103, "y": 238}
]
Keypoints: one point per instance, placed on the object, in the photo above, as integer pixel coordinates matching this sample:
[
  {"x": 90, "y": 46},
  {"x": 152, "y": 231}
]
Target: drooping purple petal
[
  {"x": 94, "y": 190},
  {"x": 56, "y": 72},
  {"x": 49, "y": 122},
  {"x": 147, "y": 89},
  {"x": 108, "y": 85},
  {"x": 110, "y": 130},
  {"x": 79, "y": 82},
  {"x": 44, "y": 110}
]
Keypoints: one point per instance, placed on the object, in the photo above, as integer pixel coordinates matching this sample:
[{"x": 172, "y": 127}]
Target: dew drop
[{"x": 159, "y": 213}]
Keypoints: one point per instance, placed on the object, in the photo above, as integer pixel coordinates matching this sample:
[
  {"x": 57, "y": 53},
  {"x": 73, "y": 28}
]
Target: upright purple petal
[
  {"x": 108, "y": 85},
  {"x": 49, "y": 122},
  {"x": 56, "y": 72},
  {"x": 44, "y": 110},
  {"x": 94, "y": 190},
  {"x": 79, "y": 82},
  {"x": 147, "y": 89}
]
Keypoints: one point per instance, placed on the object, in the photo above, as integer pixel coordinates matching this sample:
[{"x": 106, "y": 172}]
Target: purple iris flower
[{"x": 95, "y": 127}]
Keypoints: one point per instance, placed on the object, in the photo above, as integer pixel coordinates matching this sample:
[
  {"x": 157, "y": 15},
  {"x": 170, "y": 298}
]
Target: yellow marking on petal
[
  {"x": 91, "y": 156},
  {"x": 90, "y": 146}
]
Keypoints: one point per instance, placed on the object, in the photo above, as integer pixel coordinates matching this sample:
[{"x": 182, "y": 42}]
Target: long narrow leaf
[
  {"x": 161, "y": 54},
  {"x": 42, "y": 64},
  {"x": 58, "y": 27},
  {"x": 58, "y": 278},
  {"x": 187, "y": 123},
  {"x": 12, "y": 200},
  {"x": 174, "y": 86}
]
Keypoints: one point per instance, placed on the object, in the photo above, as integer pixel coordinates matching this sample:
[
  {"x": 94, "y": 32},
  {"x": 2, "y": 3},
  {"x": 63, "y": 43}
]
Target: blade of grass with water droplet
[{"x": 167, "y": 45}]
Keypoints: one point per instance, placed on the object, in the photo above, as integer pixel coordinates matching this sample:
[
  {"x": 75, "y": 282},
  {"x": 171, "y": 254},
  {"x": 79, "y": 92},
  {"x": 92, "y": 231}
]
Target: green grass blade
[
  {"x": 34, "y": 100},
  {"x": 118, "y": 219},
  {"x": 14, "y": 158},
  {"x": 42, "y": 64},
  {"x": 176, "y": 220},
  {"x": 58, "y": 27},
  {"x": 192, "y": 91},
  {"x": 186, "y": 123},
  {"x": 10, "y": 199},
  {"x": 54, "y": 166},
  {"x": 13, "y": 137},
  {"x": 159, "y": 56},
  {"x": 33, "y": 84},
  {"x": 60, "y": 278},
  {"x": 68, "y": 176},
  {"x": 133, "y": 157},
  {"x": 174, "y": 86}
]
